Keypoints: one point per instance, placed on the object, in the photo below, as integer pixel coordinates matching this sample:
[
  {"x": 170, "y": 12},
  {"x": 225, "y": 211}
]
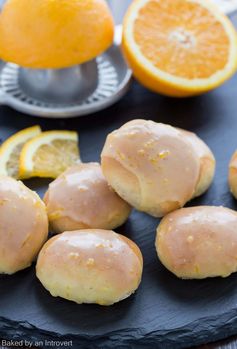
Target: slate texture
[{"x": 165, "y": 312}]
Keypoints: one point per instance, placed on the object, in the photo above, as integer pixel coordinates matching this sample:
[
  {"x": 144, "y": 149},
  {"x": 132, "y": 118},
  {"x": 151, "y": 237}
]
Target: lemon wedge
[
  {"x": 49, "y": 154},
  {"x": 10, "y": 150}
]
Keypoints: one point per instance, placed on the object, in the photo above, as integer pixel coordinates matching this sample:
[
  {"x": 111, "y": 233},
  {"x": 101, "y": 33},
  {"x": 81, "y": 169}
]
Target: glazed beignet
[
  {"x": 90, "y": 266},
  {"x": 154, "y": 167},
  {"x": 81, "y": 198},
  {"x": 23, "y": 225},
  {"x": 198, "y": 242}
]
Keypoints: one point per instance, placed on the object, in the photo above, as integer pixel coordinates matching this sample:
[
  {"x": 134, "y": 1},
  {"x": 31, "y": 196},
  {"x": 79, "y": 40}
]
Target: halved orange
[
  {"x": 54, "y": 33},
  {"x": 179, "y": 47}
]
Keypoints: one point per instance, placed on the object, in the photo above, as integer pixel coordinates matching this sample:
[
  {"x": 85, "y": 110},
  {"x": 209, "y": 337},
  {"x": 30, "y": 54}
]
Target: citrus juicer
[
  {"x": 68, "y": 92},
  {"x": 73, "y": 91}
]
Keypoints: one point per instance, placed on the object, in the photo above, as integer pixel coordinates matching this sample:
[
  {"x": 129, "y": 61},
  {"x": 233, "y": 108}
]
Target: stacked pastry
[
  {"x": 158, "y": 169},
  {"x": 88, "y": 263},
  {"x": 153, "y": 167}
]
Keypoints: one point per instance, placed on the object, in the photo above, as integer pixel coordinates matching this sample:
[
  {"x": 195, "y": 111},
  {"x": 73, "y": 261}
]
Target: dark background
[{"x": 212, "y": 303}]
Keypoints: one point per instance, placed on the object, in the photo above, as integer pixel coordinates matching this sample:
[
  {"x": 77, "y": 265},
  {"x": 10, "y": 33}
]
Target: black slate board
[{"x": 165, "y": 312}]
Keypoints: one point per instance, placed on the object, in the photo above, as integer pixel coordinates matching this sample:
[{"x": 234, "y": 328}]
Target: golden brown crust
[
  {"x": 198, "y": 242},
  {"x": 207, "y": 173},
  {"x": 232, "y": 178},
  {"x": 81, "y": 199},
  {"x": 207, "y": 162},
  {"x": 134, "y": 247},
  {"x": 90, "y": 266},
  {"x": 115, "y": 173}
]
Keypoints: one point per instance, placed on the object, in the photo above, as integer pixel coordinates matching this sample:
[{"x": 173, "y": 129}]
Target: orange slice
[
  {"x": 179, "y": 47},
  {"x": 49, "y": 154},
  {"x": 10, "y": 150}
]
